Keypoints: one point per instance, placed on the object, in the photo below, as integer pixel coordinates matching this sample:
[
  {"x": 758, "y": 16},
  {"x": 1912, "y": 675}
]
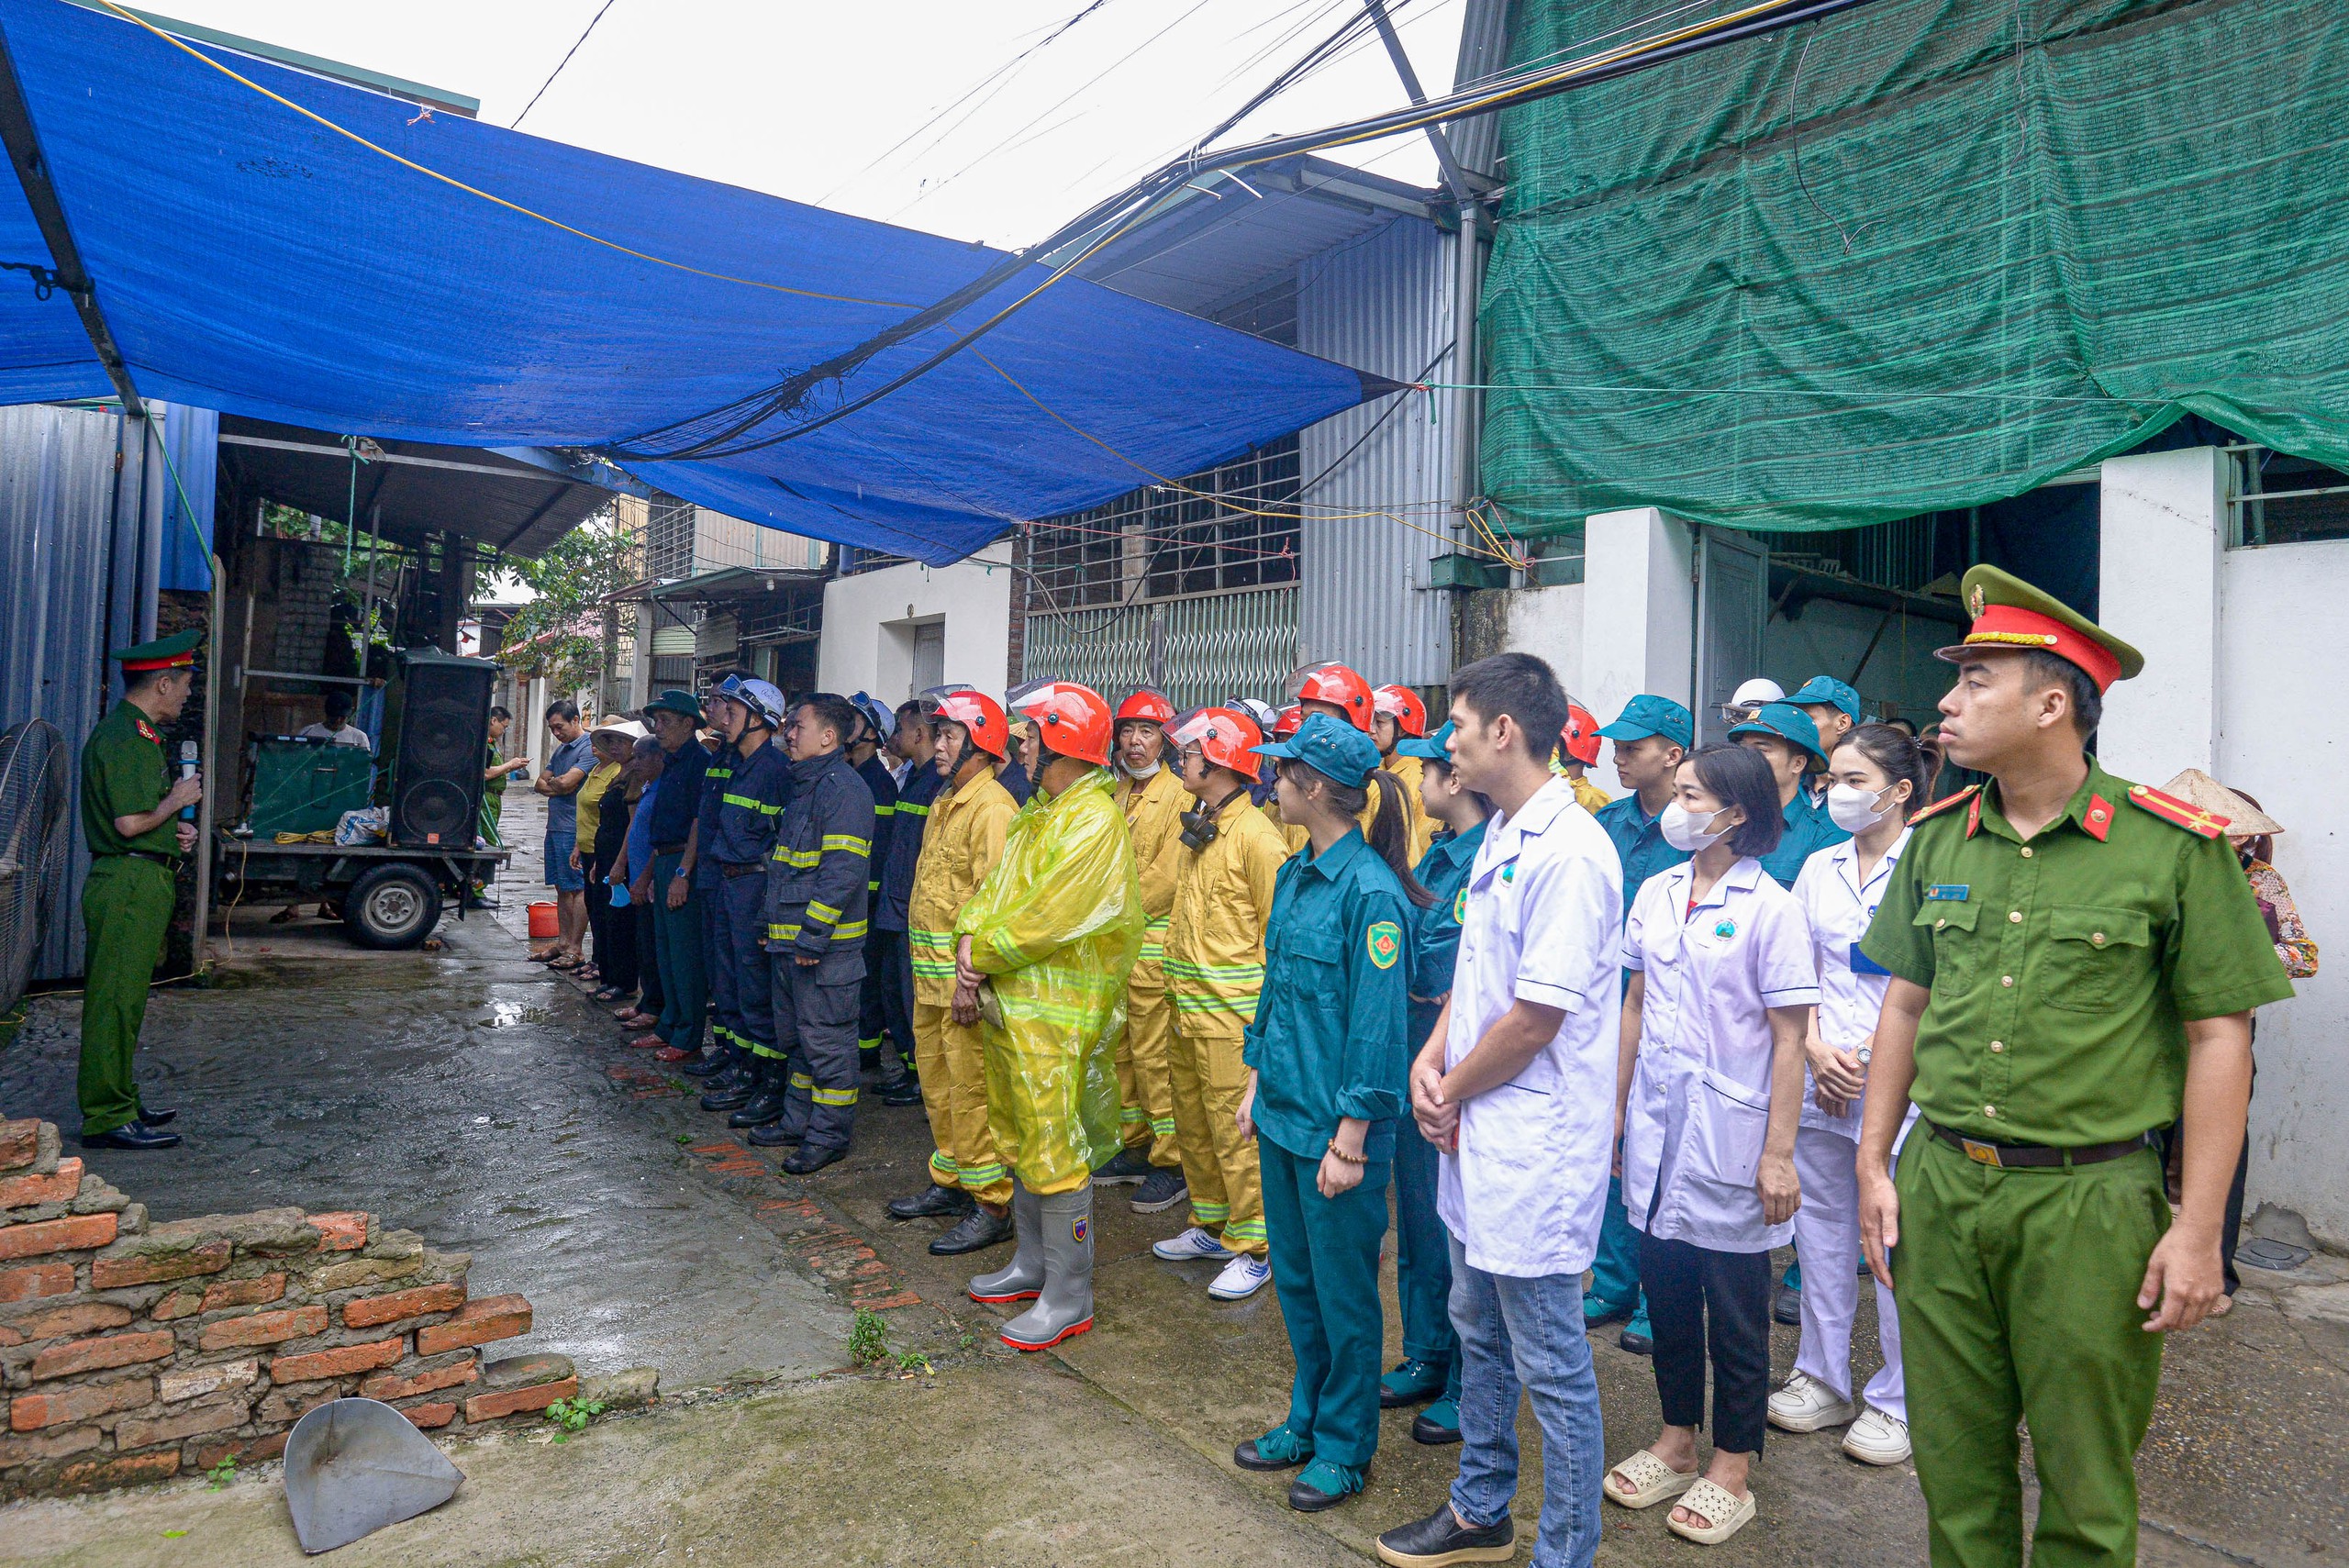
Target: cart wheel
[{"x": 392, "y": 907}]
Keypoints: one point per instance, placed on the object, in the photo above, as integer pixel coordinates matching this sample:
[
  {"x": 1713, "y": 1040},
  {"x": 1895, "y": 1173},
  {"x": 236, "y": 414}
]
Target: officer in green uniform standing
[
  {"x": 2074, "y": 958},
  {"x": 130, "y": 810}
]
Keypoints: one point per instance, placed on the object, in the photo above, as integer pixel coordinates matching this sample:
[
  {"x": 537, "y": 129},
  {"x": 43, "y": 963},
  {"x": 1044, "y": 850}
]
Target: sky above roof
[{"x": 919, "y": 112}]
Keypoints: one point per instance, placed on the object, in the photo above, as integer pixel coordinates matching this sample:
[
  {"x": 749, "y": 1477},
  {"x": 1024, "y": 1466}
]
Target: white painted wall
[
  {"x": 2282, "y": 665},
  {"x": 2163, "y": 521},
  {"x": 1638, "y": 609},
  {"x": 1547, "y": 623},
  {"x": 870, "y": 620}
]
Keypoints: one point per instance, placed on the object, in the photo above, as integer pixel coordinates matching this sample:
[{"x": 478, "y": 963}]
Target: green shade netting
[{"x": 2033, "y": 235}]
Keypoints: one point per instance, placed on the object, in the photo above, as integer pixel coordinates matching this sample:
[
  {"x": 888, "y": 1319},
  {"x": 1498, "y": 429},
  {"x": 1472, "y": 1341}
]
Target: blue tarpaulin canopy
[{"x": 252, "y": 260}]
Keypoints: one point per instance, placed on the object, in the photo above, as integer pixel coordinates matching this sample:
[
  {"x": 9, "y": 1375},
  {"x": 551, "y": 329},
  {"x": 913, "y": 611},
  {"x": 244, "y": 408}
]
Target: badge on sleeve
[
  {"x": 1385, "y": 938},
  {"x": 1460, "y": 907}
]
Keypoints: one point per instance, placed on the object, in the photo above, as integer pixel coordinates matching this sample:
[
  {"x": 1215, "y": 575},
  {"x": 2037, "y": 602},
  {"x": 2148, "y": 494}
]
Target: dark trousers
[
  {"x": 644, "y": 925},
  {"x": 1422, "y": 1246},
  {"x": 684, "y": 972},
  {"x": 815, "y": 1020},
  {"x": 1325, "y": 1270},
  {"x": 739, "y": 970},
  {"x": 1700, "y": 1299},
  {"x": 888, "y": 957},
  {"x": 614, "y": 930}
]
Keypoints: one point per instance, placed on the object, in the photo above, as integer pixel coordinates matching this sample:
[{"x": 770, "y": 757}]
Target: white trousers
[{"x": 1827, "y": 1239}]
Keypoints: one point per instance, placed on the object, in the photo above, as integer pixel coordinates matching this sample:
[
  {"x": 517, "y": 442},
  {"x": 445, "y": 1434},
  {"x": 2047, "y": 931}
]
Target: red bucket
[{"x": 545, "y": 924}]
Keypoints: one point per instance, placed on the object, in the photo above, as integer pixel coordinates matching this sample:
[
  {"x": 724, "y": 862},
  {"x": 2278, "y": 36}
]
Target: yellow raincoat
[{"x": 1056, "y": 928}]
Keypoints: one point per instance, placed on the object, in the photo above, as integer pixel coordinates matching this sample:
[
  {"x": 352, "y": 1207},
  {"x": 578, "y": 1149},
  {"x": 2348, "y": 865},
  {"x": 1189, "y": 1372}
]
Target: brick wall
[{"x": 130, "y": 1351}]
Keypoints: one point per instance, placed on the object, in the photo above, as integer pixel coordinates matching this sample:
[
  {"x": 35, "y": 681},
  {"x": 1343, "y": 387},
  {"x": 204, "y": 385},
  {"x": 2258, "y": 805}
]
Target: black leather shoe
[
  {"x": 906, "y": 1091},
  {"x": 727, "y": 1095},
  {"x": 766, "y": 1100},
  {"x": 775, "y": 1134},
  {"x": 155, "y": 1117},
  {"x": 812, "y": 1157},
  {"x": 937, "y": 1202},
  {"x": 1785, "y": 1304},
  {"x": 701, "y": 1067},
  {"x": 131, "y": 1135},
  {"x": 1432, "y": 1433},
  {"x": 1442, "y": 1539},
  {"x": 978, "y": 1229}
]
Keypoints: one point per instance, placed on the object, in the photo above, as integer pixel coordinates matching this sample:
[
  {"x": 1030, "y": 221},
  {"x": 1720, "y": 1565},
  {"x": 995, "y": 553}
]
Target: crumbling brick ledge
[{"x": 131, "y": 1351}]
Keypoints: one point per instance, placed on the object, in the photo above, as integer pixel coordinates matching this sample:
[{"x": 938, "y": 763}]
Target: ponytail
[
  {"x": 1390, "y": 835},
  {"x": 1900, "y": 756}
]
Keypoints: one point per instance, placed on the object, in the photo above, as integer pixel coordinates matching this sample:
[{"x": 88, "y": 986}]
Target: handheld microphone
[{"x": 187, "y": 771}]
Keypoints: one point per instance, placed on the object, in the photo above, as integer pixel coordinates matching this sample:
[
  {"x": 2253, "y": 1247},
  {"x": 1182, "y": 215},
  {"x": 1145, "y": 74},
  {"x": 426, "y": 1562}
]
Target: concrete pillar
[
  {"x": 1638, "y": 608},
  {"x": 2163, "y": 526}
]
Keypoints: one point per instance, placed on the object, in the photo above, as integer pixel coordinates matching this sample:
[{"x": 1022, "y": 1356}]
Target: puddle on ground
[{"x": 508, "y": 1015}]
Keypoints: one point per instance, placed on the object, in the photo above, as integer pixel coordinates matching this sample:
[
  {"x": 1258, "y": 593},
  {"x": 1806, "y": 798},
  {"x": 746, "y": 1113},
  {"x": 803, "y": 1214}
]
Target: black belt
[
  {"x": 2008, "y": 1156},
  {"x": 677, "y": 848},
  {"x": 169, "y": 862},
  {"x": 732, "y": 869}
]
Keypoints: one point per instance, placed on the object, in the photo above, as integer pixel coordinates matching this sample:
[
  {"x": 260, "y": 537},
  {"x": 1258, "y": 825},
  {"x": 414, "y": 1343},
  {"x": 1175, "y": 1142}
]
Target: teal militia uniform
[
  {"x": 126, "y": 904},
  {"x": 1328, "y": 1042},
  {"x": 2062, "y": 971},
  {"x": 1808, "y": 831},
  {"x": 1422, "y": 1247}
]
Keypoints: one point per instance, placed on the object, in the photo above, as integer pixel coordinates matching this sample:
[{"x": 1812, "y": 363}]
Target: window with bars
[{"x": 1233, "y": 526}]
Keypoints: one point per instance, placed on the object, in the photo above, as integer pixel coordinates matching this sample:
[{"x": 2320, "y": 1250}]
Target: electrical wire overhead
[{"x": 542, "y": 93}]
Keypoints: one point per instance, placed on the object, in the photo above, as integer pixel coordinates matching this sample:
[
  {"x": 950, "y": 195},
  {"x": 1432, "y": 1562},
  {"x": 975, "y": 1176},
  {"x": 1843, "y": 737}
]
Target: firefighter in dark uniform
[
  {"x": 2075, "y": 960},
  {"x": 877, "y": 1050},
  {"x": 816, "y": 926},
  {"x": 889, "y": 950},
  {"x": 742, "y": 811},
  {"x": 130, "y": 810}
]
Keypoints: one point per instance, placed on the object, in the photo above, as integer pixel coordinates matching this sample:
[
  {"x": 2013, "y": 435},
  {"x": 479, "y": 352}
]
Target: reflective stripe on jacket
[{"x": 816, "y": 892}]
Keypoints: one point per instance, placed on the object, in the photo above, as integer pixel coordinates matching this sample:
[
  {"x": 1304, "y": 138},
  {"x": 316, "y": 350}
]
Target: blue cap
[
  {"x": 1431, "y": 748},
  {"x": 1337, "y": 751},
  {"x": 1786, "y": 722},
  {"x": 1828, "y": 689},
  {"x": 1647, "y": 715}
]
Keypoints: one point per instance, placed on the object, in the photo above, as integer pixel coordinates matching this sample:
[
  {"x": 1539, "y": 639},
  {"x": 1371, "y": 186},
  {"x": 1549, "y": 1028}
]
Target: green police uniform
[
  {"x": 128, "y": 900},
  {"x": 2062, "y": 971}
]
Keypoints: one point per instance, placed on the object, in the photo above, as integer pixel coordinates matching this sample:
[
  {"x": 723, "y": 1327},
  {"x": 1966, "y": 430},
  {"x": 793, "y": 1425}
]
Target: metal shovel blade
[{"x": 353, "y": 1466}]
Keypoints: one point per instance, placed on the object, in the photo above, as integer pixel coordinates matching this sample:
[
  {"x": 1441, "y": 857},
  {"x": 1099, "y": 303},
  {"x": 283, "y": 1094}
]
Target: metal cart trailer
[{"x": 389, "y": 897}]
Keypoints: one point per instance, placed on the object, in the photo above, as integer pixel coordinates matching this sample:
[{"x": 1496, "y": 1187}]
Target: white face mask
[
  {"x": 1139, "y": 772},
  {"x": 1855, "y": 810},
  {"x": 1680, "y": 828}
]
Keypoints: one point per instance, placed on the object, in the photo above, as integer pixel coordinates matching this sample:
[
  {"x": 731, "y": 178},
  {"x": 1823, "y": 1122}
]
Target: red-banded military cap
[
  {"x": 2010, "y": 613},
  {"x": 163, "y": 653}
]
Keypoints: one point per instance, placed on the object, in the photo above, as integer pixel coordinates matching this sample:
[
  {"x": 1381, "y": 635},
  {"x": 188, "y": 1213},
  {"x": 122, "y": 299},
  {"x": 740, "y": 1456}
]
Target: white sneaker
[
  {"x": 1190, "y": 1247},
  {"x": 1242, "y": 1278},
  {"x": 1805, "y": 1405},
  {"x": 1877, "y": 1438}
]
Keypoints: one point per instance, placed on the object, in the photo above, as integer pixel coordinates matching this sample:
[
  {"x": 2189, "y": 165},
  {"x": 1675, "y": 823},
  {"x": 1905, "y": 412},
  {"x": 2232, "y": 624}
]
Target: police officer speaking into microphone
[
  {"x": 130, "y": 819},
  {"x": 2075, "y": 960}
]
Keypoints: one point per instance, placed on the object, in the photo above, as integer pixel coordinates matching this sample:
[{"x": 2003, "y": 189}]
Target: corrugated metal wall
[
  {"x": 1383, "y": 303},
  {"x": 57, "y": 490}
]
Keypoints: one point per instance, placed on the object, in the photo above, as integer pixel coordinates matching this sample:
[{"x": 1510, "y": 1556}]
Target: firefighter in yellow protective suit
[
  {"x": 1153, "y": 801},
  {"x": 1042, "y": 954},
  {"x": 1215, "y": 968},
  {"x": 962, "y": 843},
  {"x": 1397, "y": 712}
]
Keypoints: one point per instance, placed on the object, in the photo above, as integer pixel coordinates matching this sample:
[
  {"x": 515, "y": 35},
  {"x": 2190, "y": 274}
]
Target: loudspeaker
[{"x": 441, "y": 737}]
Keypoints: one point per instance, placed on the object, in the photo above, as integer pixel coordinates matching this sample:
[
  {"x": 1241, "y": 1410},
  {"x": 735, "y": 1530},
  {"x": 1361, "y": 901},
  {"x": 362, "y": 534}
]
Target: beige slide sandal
[
  {"x": 1728, "y": 1512},
  {"x": 1646, "y": 1481}
]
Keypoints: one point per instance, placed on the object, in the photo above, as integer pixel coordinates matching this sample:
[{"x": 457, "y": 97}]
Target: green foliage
[
  {"x": 221, "y": 1474},
  {"x": 868, "y": 1339},
  {"x": 572, "y": 580},
  {"x": 570, "y": 1415},
  {"x": 914, "y": 1361}
]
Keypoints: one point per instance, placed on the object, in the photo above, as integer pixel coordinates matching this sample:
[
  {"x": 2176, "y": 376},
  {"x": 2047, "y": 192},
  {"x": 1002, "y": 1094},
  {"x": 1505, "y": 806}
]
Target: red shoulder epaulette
[
  {"x": 2178, "y": 813},
  {"x": 1945, "y": 804}
]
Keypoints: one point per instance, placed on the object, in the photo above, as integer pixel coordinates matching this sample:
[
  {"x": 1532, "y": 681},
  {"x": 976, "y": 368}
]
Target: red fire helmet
[
  {"x": 976, "y": 712},
  {"x": 1225, "y": 737},
  {"x": 1580, "y": 736},
  {"x": 1338, "y": 685},
  {"x": 1148, "y": 703},
  {"x": 1403, "y": 705},
  {"x": 1071, "y": 719},
  {"x": 1288, "y": 722}
]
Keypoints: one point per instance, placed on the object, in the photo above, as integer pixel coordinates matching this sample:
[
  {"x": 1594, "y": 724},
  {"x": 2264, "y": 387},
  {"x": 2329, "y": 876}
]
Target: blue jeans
[
  {"x": 1518, "y": 1336},
  {"x": 561, "y": 876}
]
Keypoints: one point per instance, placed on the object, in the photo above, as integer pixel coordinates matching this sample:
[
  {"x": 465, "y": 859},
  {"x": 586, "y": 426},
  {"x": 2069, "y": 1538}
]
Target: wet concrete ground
[{"x": 356, "y": 1083}]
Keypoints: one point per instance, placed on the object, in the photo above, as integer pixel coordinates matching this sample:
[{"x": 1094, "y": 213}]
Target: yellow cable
[{"x": 513, "y": 206}]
